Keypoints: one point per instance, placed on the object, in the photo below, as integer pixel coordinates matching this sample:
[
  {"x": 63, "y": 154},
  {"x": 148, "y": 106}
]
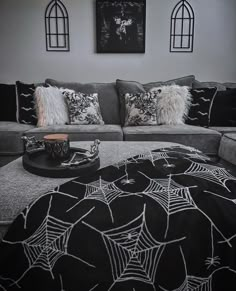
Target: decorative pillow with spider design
[
  {"x": 140, "y": 109},
  {"x": 83, "y": 108}
]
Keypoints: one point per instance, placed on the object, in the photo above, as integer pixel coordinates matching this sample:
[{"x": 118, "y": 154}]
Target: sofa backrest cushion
[
  {"x": 107, "y": 97},
  {"x": 182, "y": 81},
  {"x": 230, "y": 85},
  {"x": 8, "y": 102},
  {"x": 219, "y": 86}
]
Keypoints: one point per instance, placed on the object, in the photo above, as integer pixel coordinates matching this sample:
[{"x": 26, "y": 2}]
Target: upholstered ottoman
[
  {"x": 18, "y": 187},
  {"x": 227, "y": 150},
  {"x": 11, "y": 145}
]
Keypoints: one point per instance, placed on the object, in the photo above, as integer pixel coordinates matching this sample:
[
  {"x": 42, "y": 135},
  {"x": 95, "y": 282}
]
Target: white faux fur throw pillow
[
  {"x": 51, "y": 106},
  {"x": 173, "y": 103}
]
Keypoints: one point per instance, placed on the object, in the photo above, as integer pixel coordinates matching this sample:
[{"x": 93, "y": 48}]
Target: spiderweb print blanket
[{"x": 161, "y": 221}]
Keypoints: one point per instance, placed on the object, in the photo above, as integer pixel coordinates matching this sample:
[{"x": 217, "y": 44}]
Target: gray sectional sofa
[{"x": 206, "y": 139}]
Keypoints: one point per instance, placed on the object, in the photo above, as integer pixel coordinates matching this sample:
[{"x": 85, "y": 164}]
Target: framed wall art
[{"x": 120, "y": 26}]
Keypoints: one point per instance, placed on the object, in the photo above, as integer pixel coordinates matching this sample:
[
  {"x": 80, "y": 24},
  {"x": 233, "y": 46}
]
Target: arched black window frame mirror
[
  {"x": 182, "y": 27},
  {"x": 57, "y": 27}
]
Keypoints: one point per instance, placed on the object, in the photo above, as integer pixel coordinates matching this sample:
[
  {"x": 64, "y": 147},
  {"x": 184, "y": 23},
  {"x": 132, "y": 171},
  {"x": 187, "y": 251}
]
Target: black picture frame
[{"x": 120, "y": 26}]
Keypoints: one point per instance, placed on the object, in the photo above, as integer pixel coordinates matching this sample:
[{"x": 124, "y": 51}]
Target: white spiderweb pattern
[
  {"x": 154, "y": 156},
  {"x": 192, "y": 283},
  {"x": 48, "y": 243},
  {"x": 103, "y": 191},
  {"x": 172, "y": 196},
  {"x": 198, "y": 157},
  {"x": 125, "y": 162},
  {"x": 210, "y": 173},
  {"x": 194, "y": 154},
  {"x": 134, "y": 253},
  {"x": 188, "y": 148},
  {"x": 182, "y": 147}
]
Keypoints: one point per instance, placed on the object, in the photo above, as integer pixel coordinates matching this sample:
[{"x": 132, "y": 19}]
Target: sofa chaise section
[
  {"x": 224, "y": 129},
  {"x": 227, "y": 150},
  {"x": 204, "y": 139}
]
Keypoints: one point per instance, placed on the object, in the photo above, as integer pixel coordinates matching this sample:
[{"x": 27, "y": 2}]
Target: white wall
[{"x": 23, "y": 55}]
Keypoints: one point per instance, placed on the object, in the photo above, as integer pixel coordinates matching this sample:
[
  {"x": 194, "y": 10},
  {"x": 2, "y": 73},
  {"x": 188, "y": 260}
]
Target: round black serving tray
[{"x": 41, "y": 164}]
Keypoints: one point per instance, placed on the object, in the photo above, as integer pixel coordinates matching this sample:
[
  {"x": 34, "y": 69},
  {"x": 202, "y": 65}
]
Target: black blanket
[{"x": 162, "y": 220}]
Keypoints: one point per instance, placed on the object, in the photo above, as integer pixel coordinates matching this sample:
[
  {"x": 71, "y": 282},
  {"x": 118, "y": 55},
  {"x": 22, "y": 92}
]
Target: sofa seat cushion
[
  {"x": 223, "y": 129},
  {"x": 11, "y": 133},
  {"x": 227, "y": 150},
  {"x": 204, "y": 139},
  {"x": 81, "y": 132}
]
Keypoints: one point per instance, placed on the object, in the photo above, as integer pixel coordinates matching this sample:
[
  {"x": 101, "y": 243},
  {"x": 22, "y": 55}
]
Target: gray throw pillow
[{"x": 78, "y": 87}]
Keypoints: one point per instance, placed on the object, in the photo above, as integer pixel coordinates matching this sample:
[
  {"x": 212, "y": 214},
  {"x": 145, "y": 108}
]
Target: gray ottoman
[
  {"x": 11, "y": 145},
  {"x": 227, "y": 150},
  {"x": 18, "y": 187}
]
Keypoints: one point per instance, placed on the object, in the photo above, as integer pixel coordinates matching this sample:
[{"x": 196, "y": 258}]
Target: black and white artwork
[
  {"x": 163, "y": 220},
  {"x": 120, "y": 26}
]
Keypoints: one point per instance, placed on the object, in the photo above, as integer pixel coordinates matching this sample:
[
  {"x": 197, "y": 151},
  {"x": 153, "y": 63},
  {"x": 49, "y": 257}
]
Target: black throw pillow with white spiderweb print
[
  {"x": 26, "y": 112},
  {"x": 162, "y": 220},
  {"x": 200, "y": 110}
]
